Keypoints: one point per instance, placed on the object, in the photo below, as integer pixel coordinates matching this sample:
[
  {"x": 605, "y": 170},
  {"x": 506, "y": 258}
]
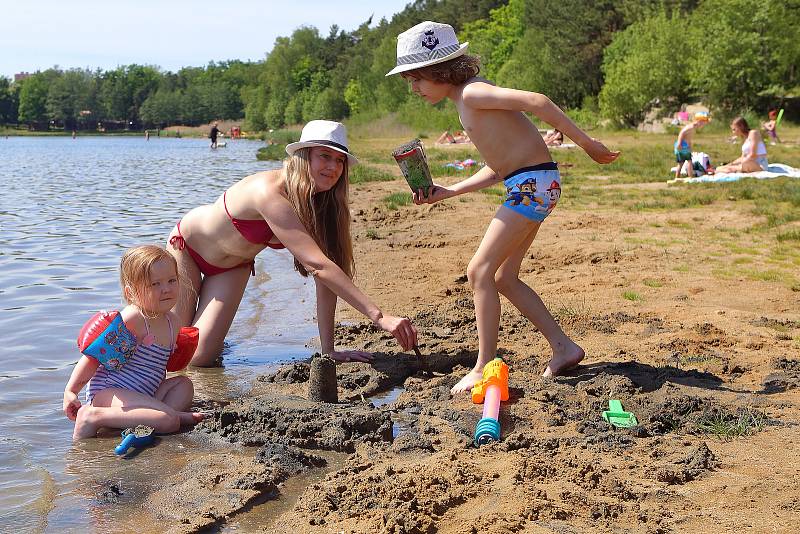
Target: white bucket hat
[
  {"x": 329, "y": 134},
  {"x": 425, "y": 44}
]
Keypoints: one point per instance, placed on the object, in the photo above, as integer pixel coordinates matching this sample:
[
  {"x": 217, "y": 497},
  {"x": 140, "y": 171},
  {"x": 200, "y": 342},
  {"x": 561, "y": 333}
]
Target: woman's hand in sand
[
  {"x": 351, "y": 356},
  {"x": 598, "y": 152},
  {"x": 401, "y": 328},
  {"x": 71, "y": 405},
  {"x": 435, "y": 194}
]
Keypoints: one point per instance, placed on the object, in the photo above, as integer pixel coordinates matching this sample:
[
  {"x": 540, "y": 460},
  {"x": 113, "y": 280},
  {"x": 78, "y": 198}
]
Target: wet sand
[{"x": 696, "y": 356}]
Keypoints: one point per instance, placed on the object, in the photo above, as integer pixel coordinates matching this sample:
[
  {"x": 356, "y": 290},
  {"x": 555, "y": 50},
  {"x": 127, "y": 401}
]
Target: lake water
[{"x": 68, "y": 210}]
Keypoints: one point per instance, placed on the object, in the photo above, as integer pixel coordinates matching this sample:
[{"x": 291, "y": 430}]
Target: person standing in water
[
  {"x": 302, "y": 207},
  {"x": 213, "y": 134}
]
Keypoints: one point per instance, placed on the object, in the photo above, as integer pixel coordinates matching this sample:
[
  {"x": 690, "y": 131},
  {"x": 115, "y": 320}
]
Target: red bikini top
[{"x": 257, "y": 231}]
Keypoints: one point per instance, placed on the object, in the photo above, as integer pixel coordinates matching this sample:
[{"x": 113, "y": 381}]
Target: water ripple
[{"x": 68, "y": 210}]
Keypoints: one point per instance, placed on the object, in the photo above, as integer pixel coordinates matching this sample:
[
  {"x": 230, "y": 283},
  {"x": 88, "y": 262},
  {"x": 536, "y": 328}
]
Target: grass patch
[
  {"x": 793, "y": 235},
  {"x": 768, "y": 275},
  {"x": 360, "y": 174},
  {"x": 723, "y": 273},
  {"x": 652, "y": 283},
  {"x": 496, "y": 192},
  {"x": 739, "y": 249},
  {"x": 271, "y": 153},
  {"x": 633, "y": 296},
  {"x": 283, "y": 136},
  {"x": 372, "y": 234},
  {"x": 680, "y": 224},
  {"x": 726, "y": 425},
  {"x": 395, "y": 200},
  {"x": 569, "y": 310},
  {"x": 276, "y": 150},
  {"x": 673, "y": 199}
]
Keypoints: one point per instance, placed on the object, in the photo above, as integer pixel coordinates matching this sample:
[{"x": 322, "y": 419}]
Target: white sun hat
[
  {"x": 329, "y": 134},
  {"x": 425, "y": 44}
]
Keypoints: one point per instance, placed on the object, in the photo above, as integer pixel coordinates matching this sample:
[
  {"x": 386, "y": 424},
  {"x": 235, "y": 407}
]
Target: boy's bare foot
[
  {"x": 85, "y": 427},
  {"x": 564, "y": 360},
  {"x": 466, "y": 383}
]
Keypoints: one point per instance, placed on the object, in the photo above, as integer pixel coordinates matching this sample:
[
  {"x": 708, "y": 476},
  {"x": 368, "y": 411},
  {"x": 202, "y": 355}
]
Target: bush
[
  {"x": 643, "y": 63},
  {"x": 271, "y": 153},
  {"x": 367, "y": 173}
]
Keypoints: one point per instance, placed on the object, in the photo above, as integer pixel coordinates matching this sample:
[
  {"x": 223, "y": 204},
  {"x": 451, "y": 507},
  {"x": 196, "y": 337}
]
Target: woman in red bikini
[{"x": 302, "y": 207}]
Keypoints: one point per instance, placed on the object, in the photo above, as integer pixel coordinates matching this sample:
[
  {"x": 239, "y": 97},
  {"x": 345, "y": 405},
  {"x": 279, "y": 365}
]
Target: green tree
[
  {"x": 743, "y": 48},
  {"x": 643, "y": 63},
  {"x": 162, "y": 108},
  {"x": 124, "y": 90},
  {"x": 287, "y": 71},
  {"x": 70, "y": 98},
  {"x": 564, "y": 61},
  {"x": 494, "y": 38},
  {"x": 33, "y": 99},
  {"x": 9, "y": 101}
]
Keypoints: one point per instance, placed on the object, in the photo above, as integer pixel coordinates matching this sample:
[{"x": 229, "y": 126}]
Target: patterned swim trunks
[
  {"x": 682, "y": 152},
  {"x": 533, "y": 191}
]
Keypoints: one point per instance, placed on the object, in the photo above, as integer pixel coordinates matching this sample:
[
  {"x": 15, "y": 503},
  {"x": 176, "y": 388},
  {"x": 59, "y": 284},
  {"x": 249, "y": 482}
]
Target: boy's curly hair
[{"x": 454, "y": 71}]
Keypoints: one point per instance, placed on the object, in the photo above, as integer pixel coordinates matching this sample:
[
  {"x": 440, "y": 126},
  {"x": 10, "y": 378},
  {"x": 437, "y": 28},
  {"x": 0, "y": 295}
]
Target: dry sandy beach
[{"x": 688, "y": 315}]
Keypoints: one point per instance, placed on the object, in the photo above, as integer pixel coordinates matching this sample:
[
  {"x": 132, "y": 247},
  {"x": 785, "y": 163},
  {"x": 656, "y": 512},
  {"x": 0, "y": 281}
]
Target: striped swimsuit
[{"x": 143, "y": 373}]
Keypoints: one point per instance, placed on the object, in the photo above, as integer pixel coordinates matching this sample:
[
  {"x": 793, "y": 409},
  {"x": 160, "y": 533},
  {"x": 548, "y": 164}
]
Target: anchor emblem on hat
[{"x": 430, "y": 41}]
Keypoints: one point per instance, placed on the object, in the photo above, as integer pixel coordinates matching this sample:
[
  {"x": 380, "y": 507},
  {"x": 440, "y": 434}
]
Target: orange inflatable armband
[{"x": 188, "y": 337}]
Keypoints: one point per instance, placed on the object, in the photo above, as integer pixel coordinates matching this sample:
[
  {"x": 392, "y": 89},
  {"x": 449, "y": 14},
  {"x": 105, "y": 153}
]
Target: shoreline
[{"x": 705, "y": 352}]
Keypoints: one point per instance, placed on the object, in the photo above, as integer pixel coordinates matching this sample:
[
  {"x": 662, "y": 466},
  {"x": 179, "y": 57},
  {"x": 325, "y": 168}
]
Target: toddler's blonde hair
[{"x": 134, "y": 270}]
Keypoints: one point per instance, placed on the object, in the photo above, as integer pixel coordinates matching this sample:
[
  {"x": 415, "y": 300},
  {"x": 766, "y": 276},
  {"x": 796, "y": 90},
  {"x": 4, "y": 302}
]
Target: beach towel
[
  {"x": 461, "y": 165},
  {"x": 700, "y": 163},
  {"x": 774, "y": 170}
]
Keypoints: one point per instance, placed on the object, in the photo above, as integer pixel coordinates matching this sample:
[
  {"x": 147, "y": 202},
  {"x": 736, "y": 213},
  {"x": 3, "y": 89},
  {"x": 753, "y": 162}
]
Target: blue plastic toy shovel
[{"x": 138, "y": 437}]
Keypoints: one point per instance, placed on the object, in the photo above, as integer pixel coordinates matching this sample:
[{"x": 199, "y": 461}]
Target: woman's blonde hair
[
  {"x": 134, "y": 270},
  {"x": 325, "y": 214}
]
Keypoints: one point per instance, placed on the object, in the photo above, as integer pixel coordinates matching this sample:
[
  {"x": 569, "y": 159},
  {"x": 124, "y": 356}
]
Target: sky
[{"x": 39, "y": 34}]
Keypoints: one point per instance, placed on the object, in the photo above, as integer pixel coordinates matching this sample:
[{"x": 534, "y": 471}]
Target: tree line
[
  {"x": 613, "y": 59},
  {"x": 128, "y": 97}
]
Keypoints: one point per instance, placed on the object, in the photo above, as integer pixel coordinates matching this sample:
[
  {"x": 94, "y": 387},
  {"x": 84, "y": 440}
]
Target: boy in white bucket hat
[{"x": 436, "y": 66}]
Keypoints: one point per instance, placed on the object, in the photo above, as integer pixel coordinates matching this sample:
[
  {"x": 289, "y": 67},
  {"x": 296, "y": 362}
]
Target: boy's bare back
[{"x": 506, "y": 139}]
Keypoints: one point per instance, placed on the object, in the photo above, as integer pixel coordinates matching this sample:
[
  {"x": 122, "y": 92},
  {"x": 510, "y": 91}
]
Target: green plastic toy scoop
[{"x": 618, "y": 417}]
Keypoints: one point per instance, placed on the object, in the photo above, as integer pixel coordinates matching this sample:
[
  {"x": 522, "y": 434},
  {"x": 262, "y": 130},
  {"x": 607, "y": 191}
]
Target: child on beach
[
  {"x": 431, "y": 59},
  {"x": 771, "y": 126},
  {"x": 137, "y": 393},
  {"x": 683, "y": 146}
]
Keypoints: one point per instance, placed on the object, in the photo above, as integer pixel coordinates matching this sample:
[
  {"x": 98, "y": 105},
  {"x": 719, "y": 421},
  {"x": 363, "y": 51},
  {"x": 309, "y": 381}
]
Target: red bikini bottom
[{"x": 178, "y": 242}]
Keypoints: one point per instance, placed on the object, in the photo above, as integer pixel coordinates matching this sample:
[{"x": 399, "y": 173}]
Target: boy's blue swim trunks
[
  {"x": 682, "y": 152},
  {"x": 533, "y": 191}
]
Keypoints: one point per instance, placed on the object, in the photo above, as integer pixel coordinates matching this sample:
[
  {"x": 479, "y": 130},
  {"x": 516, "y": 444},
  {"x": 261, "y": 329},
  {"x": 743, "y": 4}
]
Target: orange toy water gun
[{"x": 490, "y": 391}]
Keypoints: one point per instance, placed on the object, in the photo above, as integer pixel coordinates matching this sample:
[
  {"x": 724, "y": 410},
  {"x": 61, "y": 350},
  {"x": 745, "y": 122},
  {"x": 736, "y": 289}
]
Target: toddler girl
[{"x": 137, "y": 393}]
